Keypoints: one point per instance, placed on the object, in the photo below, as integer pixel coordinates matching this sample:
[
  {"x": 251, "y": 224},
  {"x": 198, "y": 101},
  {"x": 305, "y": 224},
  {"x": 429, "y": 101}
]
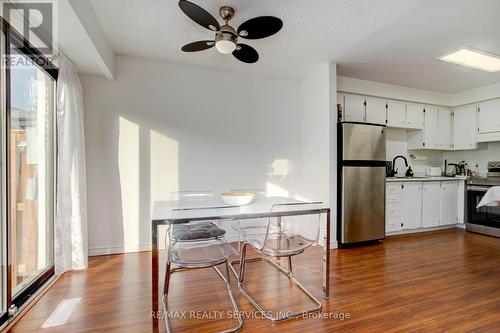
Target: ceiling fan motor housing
[
  {"x": 226, "y": 12},
  {"x": 226, "y": 33}
]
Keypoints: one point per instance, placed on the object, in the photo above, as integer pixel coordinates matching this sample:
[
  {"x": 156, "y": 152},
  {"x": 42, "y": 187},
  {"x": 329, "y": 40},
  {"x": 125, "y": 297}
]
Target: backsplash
[
  {"x": 397, "y": 145},
  {"x": 486, "y": 152}
]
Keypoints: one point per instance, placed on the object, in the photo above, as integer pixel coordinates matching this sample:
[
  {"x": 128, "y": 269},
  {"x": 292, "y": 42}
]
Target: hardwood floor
[{"x": 428, "y": 282}]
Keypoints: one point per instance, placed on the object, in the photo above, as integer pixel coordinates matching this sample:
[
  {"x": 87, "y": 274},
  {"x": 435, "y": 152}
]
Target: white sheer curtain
[{"x": 71, "y": 211}]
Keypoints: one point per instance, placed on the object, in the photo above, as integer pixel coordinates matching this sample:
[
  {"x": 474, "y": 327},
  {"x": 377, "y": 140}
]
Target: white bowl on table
[{"x": 237, "y": 198}]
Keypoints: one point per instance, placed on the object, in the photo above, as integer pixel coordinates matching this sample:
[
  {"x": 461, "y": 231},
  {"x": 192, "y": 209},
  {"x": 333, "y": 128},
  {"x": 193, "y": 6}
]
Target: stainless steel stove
[
  {"x": 484, "y": 220},
  {"x": 484, "y": 181}
]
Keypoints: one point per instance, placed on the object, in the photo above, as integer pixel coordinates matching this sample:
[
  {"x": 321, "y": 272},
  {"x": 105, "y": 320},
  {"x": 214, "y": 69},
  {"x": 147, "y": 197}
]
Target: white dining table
[{"x": 175, "y": 212}]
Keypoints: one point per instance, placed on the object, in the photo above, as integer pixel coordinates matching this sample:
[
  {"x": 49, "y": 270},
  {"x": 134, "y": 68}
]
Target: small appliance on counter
[
  {"x": 433, "y": 172},
  {"x": 494, "y": 169},
  {"x": 451, "y": 170}
]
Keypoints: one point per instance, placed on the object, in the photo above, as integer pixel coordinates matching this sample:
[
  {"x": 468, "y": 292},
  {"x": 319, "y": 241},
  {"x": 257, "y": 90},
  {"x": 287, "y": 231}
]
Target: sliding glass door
[
  {"x": 28, "y": 171},
  {"x": 3, "y": 220},
  {"x": 31, "y": 162}
]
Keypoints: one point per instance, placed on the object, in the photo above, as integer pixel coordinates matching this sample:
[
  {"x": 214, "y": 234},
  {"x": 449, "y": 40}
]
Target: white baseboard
[
  {"x": 413, "y": 231},
  {"x": 102, "y": 251},
  {"x": 108, "y": 250}
]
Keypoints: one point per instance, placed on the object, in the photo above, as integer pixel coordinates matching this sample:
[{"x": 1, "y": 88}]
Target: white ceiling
[
  {"x": 404, "y": 51},
  {"x": 392, "y": 41},
  {"x": 313, "y": 31}
]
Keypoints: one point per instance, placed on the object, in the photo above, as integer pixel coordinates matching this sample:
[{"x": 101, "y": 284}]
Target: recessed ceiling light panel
[{"x": 473, "y": 58}]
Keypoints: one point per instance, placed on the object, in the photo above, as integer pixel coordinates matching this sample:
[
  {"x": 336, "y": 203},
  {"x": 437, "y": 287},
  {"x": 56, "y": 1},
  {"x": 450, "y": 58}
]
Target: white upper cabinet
[
  {"x": 489, "y": 119},
  {"x": 428, "y": 138},
  {"x": 396, "y": 114},
  {"x": 431, "y": 128},
  {"x": 464, "y": 127},
  {"x": 431, "y": 203},
  {"x": 414, "y": 116},
  {"x": 354, "y": 108},
  {"x": 449, "y": 204},
  {"x": 444, "y": 129},
  {"x": 376, "y": 110}
]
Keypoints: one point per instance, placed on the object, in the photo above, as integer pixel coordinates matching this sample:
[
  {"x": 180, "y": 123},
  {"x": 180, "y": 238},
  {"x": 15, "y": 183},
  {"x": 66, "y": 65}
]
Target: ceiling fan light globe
[{"x": 225, "y": 46}]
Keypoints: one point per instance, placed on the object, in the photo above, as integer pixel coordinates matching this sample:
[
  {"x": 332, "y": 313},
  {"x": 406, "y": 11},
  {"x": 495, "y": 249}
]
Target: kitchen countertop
[{"x": 423, "y": 179}]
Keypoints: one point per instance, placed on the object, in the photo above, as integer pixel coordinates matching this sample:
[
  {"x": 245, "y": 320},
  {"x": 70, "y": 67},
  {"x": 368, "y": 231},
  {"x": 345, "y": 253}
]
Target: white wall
[
  {"x": 161, "y": 127},
  {"x": 372, "y": 88},
  {"x": 486, "y": 152},
  {"x": 476, "y": 95},
  {"x": 317, "y": 170},
  {"x": 315, "y": 135}
]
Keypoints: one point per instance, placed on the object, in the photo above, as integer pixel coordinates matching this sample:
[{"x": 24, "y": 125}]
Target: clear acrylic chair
[
  {"x": 196, "y": 243},
  {"x": 250, "y": 225},
  {"x": 295, "y": 228}
]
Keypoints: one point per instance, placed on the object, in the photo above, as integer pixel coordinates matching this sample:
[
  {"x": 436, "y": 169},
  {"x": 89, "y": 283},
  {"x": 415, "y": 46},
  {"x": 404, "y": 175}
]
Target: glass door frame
[{"x": 12, "y": 36}]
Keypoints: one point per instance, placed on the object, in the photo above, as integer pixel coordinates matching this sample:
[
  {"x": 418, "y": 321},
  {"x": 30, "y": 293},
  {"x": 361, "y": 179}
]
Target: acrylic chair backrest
[
  {"x": 202, "y": 251},
  {"x": 298, "y": 224}
]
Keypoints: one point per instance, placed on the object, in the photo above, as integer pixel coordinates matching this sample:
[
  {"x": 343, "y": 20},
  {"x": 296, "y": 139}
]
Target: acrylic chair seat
[
  {"x": 201, "y": 253},
  {"x": 279, "y": 245}
]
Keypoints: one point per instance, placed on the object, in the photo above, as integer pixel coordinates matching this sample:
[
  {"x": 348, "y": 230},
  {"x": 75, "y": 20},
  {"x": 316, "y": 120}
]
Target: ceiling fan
[{"x": 226, "y": 37}]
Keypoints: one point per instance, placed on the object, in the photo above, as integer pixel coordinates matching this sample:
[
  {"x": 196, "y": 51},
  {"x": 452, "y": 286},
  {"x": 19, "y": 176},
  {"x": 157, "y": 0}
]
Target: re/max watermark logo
[{"x": 35, "y": 22}]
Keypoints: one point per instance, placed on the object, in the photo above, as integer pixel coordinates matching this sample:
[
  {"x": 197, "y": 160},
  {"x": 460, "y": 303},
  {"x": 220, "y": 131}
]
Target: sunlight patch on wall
[
  {"x": 128, "y": 163},
  {"x": 164, "y": 171},
  {"x": 277, "y": 183},
  {"x": 164, "y": 167},
  {"x": 302, "y": 198},
  {"x": 274, "y": 190},
  {"x": 279, "y": 167}
]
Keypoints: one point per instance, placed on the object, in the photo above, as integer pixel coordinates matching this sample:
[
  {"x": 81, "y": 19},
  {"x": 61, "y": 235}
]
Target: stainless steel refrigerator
[{"x": 361, "y": 182}]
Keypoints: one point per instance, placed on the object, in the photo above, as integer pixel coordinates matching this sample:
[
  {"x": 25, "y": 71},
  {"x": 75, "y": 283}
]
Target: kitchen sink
[{"x": 415, "y": 177}]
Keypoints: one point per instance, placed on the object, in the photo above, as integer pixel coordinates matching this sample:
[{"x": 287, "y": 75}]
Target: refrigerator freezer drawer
[{"x": 363, "y": 204}]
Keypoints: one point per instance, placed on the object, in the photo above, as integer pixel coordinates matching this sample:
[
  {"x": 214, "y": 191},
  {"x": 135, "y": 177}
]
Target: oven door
[{"x": 487, "y": 216}]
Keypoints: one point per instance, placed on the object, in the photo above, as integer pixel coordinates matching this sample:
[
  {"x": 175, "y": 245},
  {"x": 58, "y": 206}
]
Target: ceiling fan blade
[
  {"x": 260, "y": 27},
  {"x": 246, "y": 54},
  {"x": 198, "y": 46},
  {"x": 199, "y": 15}
]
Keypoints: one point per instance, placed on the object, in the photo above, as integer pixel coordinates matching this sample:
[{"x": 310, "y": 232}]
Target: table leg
[
  {"x": 326, "y": 258},
  {"x": 154, "y": 274}
]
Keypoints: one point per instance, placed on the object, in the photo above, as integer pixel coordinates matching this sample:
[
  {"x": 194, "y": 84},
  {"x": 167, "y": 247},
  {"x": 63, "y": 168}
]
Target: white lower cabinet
[
  {"x": 412, "y": 205},
  {"x": 431, "y": 207},
  {"x": 449, "y": 204},
  {"x": 394, "y": 206},
  {"x": 416, "y": 205}
]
